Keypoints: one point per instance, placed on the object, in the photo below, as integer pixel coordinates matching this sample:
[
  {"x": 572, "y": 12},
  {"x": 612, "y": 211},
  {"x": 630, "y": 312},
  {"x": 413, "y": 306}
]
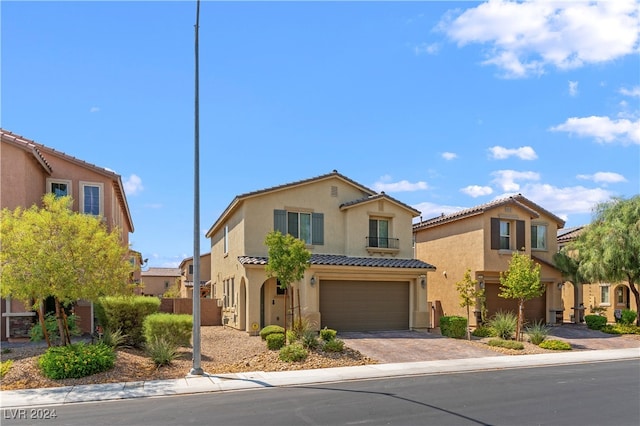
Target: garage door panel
[{"x": 363, "y": 305}]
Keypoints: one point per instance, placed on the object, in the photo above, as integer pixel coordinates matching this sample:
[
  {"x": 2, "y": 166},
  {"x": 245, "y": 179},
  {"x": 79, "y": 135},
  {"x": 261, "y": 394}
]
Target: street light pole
[{"x": 196, "y": 369}]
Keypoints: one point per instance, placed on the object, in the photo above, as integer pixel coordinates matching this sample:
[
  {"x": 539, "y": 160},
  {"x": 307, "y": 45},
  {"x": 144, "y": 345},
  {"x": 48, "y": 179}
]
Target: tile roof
[
  {"x": 161, "y": 272},
  {"x": 341, "y": 260},
  {"x": 518, "y": 200},
  {"x": 569, "y": 234}
]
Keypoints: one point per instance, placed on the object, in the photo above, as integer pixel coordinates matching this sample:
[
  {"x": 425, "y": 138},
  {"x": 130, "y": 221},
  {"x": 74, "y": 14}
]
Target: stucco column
[
  {"x": 310, "y": 298},
  {"x": 252, "y": 313},
  {"x": 420, "y": 312}
]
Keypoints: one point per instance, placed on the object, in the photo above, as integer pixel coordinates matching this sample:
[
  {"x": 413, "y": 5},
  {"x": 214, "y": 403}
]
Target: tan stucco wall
[
  {"x": 155, "y": 285},
  {"x": 22, "y": 178},
  {"x": 591, "y": 297}
]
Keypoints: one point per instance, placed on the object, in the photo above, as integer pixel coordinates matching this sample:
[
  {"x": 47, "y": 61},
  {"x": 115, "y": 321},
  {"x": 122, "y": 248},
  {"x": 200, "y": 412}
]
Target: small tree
[
  {"x": 469, "y": 295},
  {"x": 55, "y": 252},
  {"x": 288, "y": 260},
  {"x": 521, "y": 282}
]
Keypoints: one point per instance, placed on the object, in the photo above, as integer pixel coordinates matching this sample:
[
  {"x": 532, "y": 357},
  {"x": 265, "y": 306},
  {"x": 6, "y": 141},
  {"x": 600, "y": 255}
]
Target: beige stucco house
[
  {"x": 602, "y": 298},
  {"x": 155, "y": 281},
  {"x": 362, "y": 275},
  {"x": 482, "y": 240},
  {"x": 186, "y": 277},
  {"x": 28, "y": 170}
]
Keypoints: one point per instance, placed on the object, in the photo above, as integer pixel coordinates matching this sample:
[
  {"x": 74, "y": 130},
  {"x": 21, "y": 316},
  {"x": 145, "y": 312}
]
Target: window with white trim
[
  {"x": 59, "y": 187},
  {"x": 306, "y": 226},
  {"x": 91, "y": 198},
  {"x": 539, "y": 237},
  {"x": 604, "y": 295},
  {"x": 505, "y": 235},
  {"x": 378, "y": 233}
]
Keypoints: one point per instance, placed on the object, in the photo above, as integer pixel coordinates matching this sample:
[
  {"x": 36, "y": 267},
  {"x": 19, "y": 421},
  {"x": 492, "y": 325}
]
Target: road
[{"x": 580, "y": 394}]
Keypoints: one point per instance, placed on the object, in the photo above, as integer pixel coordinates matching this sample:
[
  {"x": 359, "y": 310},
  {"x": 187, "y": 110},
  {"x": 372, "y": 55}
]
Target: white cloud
[
  {"x": 154, "y": 206},
  {"x": 133, "y": 185},
  {"x": 523, "y": 153},
  {"x": 573, "y": 88},
  {"x": 634, "y": 92},
  {"x": 449, "y": 155},
  {"x": 94, "y": 109},
  {"x": 565, "y": 201},
  {"x": 603, "y": 129},
  {"x": 477, "y": 190},
  {"x": 524, "y": 38},
  {"x": 426, "y": 48},
  {"x": 402, "y": 186},
  {"x": 506, "y": 179},
  {"x": 430, "y": 210},
  {"x": 604, "y": 177}
]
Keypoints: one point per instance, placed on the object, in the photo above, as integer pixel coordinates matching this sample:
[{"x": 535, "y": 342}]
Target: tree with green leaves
[
  {"x": 469, "y": 294},
  {"x": 521, "y": 282},
  {"x": 55, "y": 252},
  {"x": 288, "y": 260},
  {"x": 609, "y": 247}
]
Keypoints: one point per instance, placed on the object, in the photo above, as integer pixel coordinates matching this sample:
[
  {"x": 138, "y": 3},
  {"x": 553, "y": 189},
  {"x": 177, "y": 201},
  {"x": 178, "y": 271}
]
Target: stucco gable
[{"x": 376, "y": 197}]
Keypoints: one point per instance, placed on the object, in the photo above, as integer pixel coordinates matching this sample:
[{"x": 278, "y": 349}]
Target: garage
[
  {"x": 534, "y": 309},
  {"x": 364, "y": 305}
]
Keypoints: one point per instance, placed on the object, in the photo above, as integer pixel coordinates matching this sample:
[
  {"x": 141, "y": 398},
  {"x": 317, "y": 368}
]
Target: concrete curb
[{"x": 261, "y": 380}]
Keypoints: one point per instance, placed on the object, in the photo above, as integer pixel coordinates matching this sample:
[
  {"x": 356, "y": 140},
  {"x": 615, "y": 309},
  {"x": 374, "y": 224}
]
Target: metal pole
[{"x": 196, "y": 369}]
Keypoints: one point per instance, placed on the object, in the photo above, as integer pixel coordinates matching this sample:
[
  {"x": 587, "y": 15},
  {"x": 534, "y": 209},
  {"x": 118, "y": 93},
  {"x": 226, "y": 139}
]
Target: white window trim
[
  {"x": 54, "y": 180},
  {"x": 602, "y": 303},
  {"x": 545, "y": 248},
  {"x": 101, "y": 196}
]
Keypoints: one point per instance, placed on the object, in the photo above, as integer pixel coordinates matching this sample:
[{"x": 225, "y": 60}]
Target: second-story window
[
  {"x": 539, "y": 237},
  {"x": 505, "y": 235},
  {"x": 59, "y": 187},
  {"x": 190, "y": 269},
  {"x": 225, "y": 240},
  {"x": 308, "y": 227},
  {"x": 379, "y": 233},
  {"x": 91, "y": 198},
  {"x": 299, "y": 225}
]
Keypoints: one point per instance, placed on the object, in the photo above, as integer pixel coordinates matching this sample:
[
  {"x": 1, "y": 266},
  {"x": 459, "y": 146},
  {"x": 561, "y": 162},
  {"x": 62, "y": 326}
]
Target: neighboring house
[
  {"x": 28, "y": 170},
  {"x": 155, "y": 281},
  {"x": 608, "y": 299},
  {"x": 186, "y": 277},
  {"x": 362, "y": 274},
  {"x": 482, "y": 240}
]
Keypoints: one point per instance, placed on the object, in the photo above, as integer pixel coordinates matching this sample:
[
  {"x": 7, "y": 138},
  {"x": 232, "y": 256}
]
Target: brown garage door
[
  {"x": 534, "y": 309},
  {"x": 364, "y": 305}
]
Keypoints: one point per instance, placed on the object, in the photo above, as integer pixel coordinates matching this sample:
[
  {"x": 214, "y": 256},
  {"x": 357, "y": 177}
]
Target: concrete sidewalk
[{"x": 261, "y": 380}]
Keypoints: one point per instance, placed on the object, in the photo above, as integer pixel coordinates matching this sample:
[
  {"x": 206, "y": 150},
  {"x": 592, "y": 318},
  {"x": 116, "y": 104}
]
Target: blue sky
[{"x": 443, "y": 105}]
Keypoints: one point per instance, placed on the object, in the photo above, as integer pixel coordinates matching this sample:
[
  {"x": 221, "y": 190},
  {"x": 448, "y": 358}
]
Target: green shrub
[
  {"x": 595, "y": 322},
  {"x": 328, "y": 334},
  {"x": 291, "y": 336},
  {"x": 484, "y": 331},
  {"x": 628, "y": 316},
  {"x": 161, "y": 350},
  {"x": 5, "y": 366},
  {"x": 335, "y": 345},
  {"x": 270, "y": 329},
  {"x": 537, "y": 332},
  {"x": 556, "y": 345},
  {"x": 76, "y": 360},
  {"x": 508, "y": 344},
  {"x": 174, "y": 328},
  {"x": 310, "y": 339},
  {"x": 115, "y": 339},
  {"x": 51, "y": 323},
  {"x": 453, "y": 326},
  {"x": 621, "y": 329},
  {"x": 292, "y": 353},
  {"x": 127, "y": 314},
  {"x": 504, "y": 324},
  {"x": 275, "y": 341},
  {"x": 300, "y": 327}
]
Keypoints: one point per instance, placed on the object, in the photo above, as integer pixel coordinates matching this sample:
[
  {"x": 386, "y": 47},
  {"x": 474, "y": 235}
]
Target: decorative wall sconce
[
  {"x": 312, "y": 281},
  {"x": 423, "y": 281},
  {"x": 480, "y": 280}
]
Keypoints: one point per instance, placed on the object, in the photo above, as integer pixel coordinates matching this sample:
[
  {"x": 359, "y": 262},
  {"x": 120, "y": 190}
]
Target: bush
[
  {"x": 300, "y": 327},
  {"x": 161, "y": 350},
  {"x": 291, "y": 336},
  {"x": 51, "y": 323},
  {"x": 327, "y": 334},
  {"x": 537, "y": 332},
  {"x": 335, "y": 345},
  {"x": 595, "y": 322},
  {"x": 628, "y": 316},
  {"x": 483, "y": 331},
  {"x": 620, "y": 329},
  {"x": 114, "y": 339},
  {"x": 270, "y": 329},
  {"x": 174, "y": 328},
  {"x": 5, "y": 366},
  {"x": 292, "y": 353},
  {"x": 76, "y": 360},
  {"x": 504, "y": 324},
  {"x": 126, "y": 314},
  {"x": 453, "y": 326},
  {"x": 310, "y": 339},
  {"x": 275, "y": 341},
  {"x": 507, "y": 344},
  {"x": 556, "y": 345}
]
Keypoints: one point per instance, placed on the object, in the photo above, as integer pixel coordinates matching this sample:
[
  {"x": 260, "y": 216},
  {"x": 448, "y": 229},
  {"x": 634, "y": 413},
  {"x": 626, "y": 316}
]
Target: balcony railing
[{"x": 380, "y": 242}]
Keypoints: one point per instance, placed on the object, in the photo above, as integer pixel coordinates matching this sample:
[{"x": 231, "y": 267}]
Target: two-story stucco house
[
  {"x": 482, "y": 240},
  {"x": 362, "y": 274},
  {"x": 186, "y": 277},
  {"x": 28, "y": 170}
]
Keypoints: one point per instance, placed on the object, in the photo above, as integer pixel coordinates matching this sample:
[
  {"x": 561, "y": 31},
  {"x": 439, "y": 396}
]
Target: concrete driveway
[{"x": 410, "y": 346}]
